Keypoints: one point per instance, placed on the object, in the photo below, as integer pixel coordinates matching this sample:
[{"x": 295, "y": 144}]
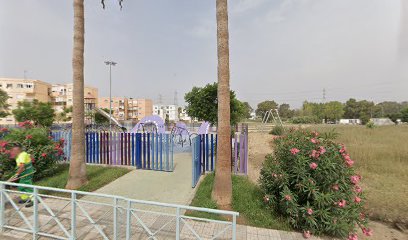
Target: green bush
[
  {"x": 370, "y": 125},
  {"x": 45, "y": 153},
  {"x": 277, "y": 130},
  {"x": 306, "y": 120},
  {"x": 311, "y": 182}
]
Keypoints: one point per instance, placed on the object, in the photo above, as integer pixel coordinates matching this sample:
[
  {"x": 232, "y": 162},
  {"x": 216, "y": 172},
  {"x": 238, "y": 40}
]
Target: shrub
[
  {"x": 36, "y": 141},
  {"x": 306, "y": 120},
  {"x": 277, "y": 130},
  {"x": 311, "y": 182},
  {"x": 370, "y": 125}
]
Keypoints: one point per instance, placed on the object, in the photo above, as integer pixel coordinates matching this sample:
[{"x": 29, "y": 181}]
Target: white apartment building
[{"x": 166, "y": 110}]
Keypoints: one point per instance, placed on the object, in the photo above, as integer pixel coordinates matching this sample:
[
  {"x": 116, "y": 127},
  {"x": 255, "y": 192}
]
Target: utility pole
[
  {"x": 324, "y": 95},
  {"x": 110, "y": 64}
]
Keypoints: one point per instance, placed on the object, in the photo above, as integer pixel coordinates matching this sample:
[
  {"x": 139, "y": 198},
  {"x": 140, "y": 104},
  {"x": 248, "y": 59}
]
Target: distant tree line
[{"x": 333, "y": 111}]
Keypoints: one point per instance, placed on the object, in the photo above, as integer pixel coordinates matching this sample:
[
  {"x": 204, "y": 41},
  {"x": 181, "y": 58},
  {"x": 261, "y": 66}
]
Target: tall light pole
[{"x": 110, "y": 64}]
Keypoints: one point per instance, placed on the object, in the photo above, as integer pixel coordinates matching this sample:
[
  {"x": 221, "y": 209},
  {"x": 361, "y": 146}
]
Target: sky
[{"x": 282, "y": 50}]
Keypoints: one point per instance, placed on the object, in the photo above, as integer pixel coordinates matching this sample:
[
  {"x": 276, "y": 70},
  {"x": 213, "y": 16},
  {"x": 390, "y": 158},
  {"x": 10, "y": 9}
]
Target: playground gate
[
  {"x": 151, "y": 151},
  {"x": 204, "y": 154}
]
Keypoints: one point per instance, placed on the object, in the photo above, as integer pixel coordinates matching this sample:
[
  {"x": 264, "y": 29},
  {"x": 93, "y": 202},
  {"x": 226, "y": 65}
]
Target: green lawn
[
  {"x": 98, "y": 176},
  {"x": 247, "y": 200}
]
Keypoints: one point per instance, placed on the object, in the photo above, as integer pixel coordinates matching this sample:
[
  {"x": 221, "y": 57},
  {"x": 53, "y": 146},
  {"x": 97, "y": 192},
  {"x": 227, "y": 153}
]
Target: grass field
[
  {"x": 247, "y": 200},
  {"x": 381, "y": 157},
  {"x": 98, "y": 176}
]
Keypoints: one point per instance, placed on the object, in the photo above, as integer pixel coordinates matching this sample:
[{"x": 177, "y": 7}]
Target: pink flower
[
  {"x": 314, "y": 140},
  {"x": 367, "y": 231},
  {"x": 342, "y": 203},
  {"x": 322, "y": 150},
  {"x": 358, "y": 189},
  {"x": 43, "y": 155},
  {"x": 62, "y": 140},
  {"x": 335, "y": 187},
  {"x": 294, "y": 151},
  {"x": 309, "y": 211},
  {"x": 342, "y": 149},
  {"x": 29, "y": 137},
  {"x": 4, "y": 130},
  {"x": 349, "y": 163},
  {"x": 352, "y": 237},
  {"x": 3, "y": 144},
  {"x": 355, "y": 179},
  {"x": 313, "y": 165},
  {"x": 288, "y": 198},
  {"x": 314, "y": 154},
  {"x": 346, "y": 157},
  {"x": 306, "y": 234},
  {"x": 50, "y": 137},
  {"x": 357, "y": 199},
  {"x": 315, "y": 133}
]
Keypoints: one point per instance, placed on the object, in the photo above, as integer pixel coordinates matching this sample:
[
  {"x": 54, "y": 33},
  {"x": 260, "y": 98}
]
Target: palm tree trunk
[
  {"x": 77, "y": 168},
  {"x": 222, "y": 190}
]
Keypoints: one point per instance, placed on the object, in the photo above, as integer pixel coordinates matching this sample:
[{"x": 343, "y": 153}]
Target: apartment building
[
  {"x": 23, "y": 89},
  {"x": 62, "y": 96},
  {"x": 166, "y": 111},
  {"x": 127, "y": 108},
  {"x": 139, "y": 108}
]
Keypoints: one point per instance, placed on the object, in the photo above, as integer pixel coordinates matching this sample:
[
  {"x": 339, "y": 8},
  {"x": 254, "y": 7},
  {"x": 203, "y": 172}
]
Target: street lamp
[{"x": 110, "y": 64}]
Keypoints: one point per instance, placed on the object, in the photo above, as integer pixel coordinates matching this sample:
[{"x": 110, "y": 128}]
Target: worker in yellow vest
[{"x": 24, "y": 174}]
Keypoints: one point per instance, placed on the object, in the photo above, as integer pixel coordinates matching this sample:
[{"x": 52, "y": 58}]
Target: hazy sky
[{"x": 286, "y": 50}]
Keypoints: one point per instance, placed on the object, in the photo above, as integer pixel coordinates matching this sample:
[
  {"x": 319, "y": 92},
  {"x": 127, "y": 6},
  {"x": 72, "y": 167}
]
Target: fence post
[
  {"x": 2, "y": 207},
  {"x": 36, "y": 224},
  {"x": 178, "y": 223},
  {"x": 73, "y": 216},
  {"x": 128, "y": 222},
  {"x": 115, "y": 218},
  {"x": 234, "y": 227}
]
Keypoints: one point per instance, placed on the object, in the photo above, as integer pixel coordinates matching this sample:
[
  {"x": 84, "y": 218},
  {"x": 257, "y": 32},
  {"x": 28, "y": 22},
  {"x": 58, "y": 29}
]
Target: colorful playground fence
[
  {"x": 204, "y": 154},
  {"x": 152, "y": 151}
]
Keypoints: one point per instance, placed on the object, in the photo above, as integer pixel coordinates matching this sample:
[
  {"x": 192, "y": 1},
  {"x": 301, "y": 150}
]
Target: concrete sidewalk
[{"x": 169, "y": 187}]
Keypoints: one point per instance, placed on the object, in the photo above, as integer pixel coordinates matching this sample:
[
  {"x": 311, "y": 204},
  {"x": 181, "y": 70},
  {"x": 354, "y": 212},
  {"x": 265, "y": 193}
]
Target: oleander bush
[
  {"x": 45, "y": 153},
  {"x": 310, "y": 180}
]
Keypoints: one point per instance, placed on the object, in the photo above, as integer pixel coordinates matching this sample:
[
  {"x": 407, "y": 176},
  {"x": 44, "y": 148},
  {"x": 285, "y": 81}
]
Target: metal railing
[{"x": 77, "y": 214}]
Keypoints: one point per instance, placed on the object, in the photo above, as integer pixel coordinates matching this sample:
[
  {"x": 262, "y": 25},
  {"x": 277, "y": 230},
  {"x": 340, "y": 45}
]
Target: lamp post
[{"x": 110, "y": 64}]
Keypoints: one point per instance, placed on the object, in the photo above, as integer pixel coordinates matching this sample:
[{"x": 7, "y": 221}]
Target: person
[{"x": 24, "y": 173}]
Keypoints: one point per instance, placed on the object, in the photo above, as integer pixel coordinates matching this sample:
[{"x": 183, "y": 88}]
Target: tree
[
  {"x": 313, "y": 110},
  {"x": 285, "y": 112},
  {"x": 65, "y": 115},
  {"x": 101, "y": 119},
  {"x": 77, "y": 167},
  {"x": 333, "y": 111},
  {"x": 247, "y": 110},
  {"x": 40, "y": 113},
  {"x": 222, "y": 189},
  {"x": 351, "y": 109},
  {"x": 3, "y": 104},
  {"x": 202, "y": 104},
  {"x": 404, "y": 115},
  {"x": 265, "y": 106}
]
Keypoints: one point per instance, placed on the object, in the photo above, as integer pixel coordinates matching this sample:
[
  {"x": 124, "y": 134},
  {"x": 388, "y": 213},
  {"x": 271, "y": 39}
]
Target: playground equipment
[
  {"x": 180, "y": 134},
  {"x": 108, "y": 116},
  {"x": 150, "y": 124},
  {"x": 274, "y": 113}
]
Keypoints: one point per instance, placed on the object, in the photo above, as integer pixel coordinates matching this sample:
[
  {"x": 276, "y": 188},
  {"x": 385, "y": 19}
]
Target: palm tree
[
  {"x": 77, "y": 168},
  {"x": 222, "y": 190}
]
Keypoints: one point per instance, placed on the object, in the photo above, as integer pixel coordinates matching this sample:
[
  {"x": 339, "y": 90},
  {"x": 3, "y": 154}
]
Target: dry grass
[{"x": 381, "y": 157}]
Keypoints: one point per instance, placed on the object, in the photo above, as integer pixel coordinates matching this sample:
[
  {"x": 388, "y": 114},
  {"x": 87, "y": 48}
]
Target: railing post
[
  {"x": 115, "y": 218},
  {"x": 234, "y": 227},
  {"x": 36, "y": 223},
  {"x": 73, "y": 216},
  {"x": 2, "y": 207},
  {"x": 128, "y": 222},
  {"x": 178, "y": 224}
]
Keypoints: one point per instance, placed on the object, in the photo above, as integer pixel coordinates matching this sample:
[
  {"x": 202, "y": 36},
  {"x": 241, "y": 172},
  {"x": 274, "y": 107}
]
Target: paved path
[{"x": 168, "y": 187}]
